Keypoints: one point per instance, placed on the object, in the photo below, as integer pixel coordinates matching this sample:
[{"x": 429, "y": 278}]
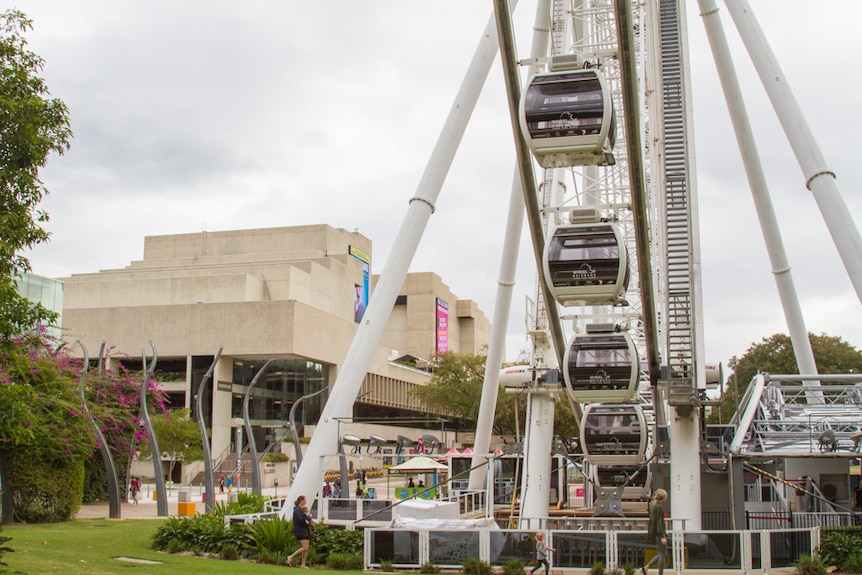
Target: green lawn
[{"x": 93, "y": 546}]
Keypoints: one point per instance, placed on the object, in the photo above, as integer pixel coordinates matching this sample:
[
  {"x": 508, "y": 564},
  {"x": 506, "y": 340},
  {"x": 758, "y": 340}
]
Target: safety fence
[{"x": 738, "y": 551}]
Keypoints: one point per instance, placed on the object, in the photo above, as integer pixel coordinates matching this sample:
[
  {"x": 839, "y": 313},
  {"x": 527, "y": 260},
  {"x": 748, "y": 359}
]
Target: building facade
[
  {"x": 292, "y": 295},
  {"x": 45, "y": 291}
]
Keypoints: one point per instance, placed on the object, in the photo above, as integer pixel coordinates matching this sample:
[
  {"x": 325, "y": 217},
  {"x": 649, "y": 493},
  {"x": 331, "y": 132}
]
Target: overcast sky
[{"x": 222, "y": 115}]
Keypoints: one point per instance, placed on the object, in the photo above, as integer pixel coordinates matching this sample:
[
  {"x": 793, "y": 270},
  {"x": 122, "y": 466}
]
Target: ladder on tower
[{"x": 679, "y": 321}]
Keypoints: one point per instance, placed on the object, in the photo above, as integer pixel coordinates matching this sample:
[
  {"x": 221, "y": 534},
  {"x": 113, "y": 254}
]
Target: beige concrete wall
[{"x": 270, "y": 293}]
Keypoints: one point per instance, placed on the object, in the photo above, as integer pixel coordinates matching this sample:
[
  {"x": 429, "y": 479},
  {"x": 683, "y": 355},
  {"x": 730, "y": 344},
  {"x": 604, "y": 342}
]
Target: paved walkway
[{"x": 147, "y": 506}]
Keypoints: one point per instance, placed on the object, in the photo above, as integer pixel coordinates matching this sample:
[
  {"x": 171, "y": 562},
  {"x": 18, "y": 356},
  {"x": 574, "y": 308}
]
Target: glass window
[{"x": 283, "y": 383}]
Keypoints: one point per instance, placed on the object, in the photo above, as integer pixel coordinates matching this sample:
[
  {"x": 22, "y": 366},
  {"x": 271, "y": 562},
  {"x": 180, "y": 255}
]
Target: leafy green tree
[
  {"x": 775, "y": 355},
  {"x": 43, "y": 464},
  {"x": 179, "y": 437},
  {"x": 32, "y": 125},
  {"x": 455, "y": 389}
]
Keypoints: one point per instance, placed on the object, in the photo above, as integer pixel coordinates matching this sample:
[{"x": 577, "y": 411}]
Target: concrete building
[{"x": 293, "y": 295}]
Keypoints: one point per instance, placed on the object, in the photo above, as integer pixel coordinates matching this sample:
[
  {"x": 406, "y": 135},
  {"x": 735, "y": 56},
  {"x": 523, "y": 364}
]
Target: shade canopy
[{"x": 418, "y": 465}]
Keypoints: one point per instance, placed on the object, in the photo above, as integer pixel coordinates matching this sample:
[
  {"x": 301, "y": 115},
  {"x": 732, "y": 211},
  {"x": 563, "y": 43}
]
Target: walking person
[
  {"x": 541, "y": 554},
  {"x": 656, "y": 531},
  {"x": 301, "y": 530},
  {"x": 136, "y": 490}
]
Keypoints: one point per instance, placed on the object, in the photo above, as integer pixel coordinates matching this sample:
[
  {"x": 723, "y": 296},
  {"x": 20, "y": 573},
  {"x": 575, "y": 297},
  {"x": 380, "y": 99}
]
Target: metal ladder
[{"x": 679, "y": 322}]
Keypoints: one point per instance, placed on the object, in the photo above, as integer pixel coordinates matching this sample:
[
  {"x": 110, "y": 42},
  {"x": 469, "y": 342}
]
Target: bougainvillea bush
[{"x": 45, "y": 434}]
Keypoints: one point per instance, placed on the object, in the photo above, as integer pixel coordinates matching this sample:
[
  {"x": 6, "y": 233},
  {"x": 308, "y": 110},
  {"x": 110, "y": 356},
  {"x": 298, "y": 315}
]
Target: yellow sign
[{"x": 359, "y": 254}]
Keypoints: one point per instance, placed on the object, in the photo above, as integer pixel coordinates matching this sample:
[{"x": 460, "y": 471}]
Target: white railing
[{"x": 700, "y": 551}]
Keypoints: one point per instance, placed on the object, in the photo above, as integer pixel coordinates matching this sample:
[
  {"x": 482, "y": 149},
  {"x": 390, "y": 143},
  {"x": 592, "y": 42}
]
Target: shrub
[
  {"x": 277, "y": 457},
  {"x": 272, "y": 558},
  {"x": 336, "y": 561},
  {"x": 204, "y": 533},
  {"x": 44, "y": 491},
  {"x": 808, "y": 565},
  {"x": 628, "y": 568},
  {"x": 836, "y": 546},
  {"x": 853, "y": 564},
  {"x": 386, "y": 566},
  {"x": 598, "y": 568},
  {"x": 429, "y": 568},
  {"x": 229, "y": 552},
  {"x": 475, "y": 566},
  {"x": 513, "y": 567},
  {"x": 273, "y": 536},
  {"x": 174, "y": 546},
  {"x": 355, "y": 561},
  {"x": 239, "y": 536},
  {"x": 245, "y": 504},
  {"x": 326, "y": 540}
]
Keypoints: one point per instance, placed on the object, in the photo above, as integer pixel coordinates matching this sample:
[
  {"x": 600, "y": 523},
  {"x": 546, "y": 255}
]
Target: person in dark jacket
[
  {"x": 656, "y": 531},
  {"x": 301, "y": 530}
]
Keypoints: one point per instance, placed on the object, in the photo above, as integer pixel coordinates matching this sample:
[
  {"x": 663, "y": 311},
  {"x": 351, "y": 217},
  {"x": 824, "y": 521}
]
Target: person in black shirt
[{"x": 301, "y": 530}]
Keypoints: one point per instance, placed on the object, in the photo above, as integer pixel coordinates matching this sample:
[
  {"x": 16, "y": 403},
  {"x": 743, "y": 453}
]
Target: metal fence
[{"x": 740, "y": 551}]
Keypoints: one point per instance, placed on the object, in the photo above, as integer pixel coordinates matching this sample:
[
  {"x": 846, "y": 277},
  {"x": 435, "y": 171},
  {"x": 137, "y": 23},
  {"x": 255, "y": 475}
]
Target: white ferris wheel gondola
[
  {"x": 614, "y": 434},
  {"x": 567, "y": 118},
  {"x": 601, "y": 367},
  {"x": 587, "y": 264}
]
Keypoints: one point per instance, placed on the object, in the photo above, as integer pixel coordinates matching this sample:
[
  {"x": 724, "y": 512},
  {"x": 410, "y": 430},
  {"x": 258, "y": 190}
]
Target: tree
[
  {"x": 32, "y": 125},
  {"x": 775, "y": 355},
  {"x": 46, "y": 436},
  {"x": 456, "y": 390},
  {"x": 178, "y": 436},
  {"x": 113, "y": 399}
]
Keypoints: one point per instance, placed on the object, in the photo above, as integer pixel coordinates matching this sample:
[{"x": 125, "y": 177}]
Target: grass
[{"x": 91, "y": 547}]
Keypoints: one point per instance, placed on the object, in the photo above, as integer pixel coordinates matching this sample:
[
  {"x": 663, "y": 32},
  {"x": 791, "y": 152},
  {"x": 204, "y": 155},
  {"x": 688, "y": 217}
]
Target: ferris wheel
[{"x": 602, "y": 127}]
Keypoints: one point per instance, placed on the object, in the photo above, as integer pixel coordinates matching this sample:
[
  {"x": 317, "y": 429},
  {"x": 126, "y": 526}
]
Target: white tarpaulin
[
  {"x": 451, "y": 540},
  {"x": 422, "y": 509}
]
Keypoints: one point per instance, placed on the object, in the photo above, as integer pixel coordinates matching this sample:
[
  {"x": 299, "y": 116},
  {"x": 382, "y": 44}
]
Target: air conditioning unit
[
  {"x": 584, "y": 216},
  {"x": 602, "y": 327},
  {"x": 565, "y": 62}
]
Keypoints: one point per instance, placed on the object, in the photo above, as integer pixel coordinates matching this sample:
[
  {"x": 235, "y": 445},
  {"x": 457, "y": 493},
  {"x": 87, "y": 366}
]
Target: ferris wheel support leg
[
  {"x": 685, "y": 490},
  {"x": 760, "y": 192},
  {"x": 536, "y": 474},
  {"x": 309, "y": 477},
  {"x": 497, "y": 344},
  {"x": 818, "y": 177},
  {"x": 505, "y": 286}
]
